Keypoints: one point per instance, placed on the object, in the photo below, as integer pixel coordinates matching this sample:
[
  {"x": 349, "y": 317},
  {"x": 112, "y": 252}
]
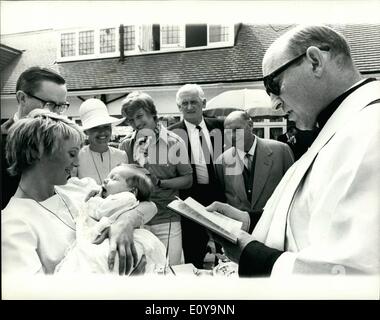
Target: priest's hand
[
  {"x": 231, "y": 250},
  {"x": 231, "y": 212}
]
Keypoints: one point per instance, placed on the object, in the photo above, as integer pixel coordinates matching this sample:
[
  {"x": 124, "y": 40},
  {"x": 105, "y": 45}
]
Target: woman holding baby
[{"x": 38, "y": 224}]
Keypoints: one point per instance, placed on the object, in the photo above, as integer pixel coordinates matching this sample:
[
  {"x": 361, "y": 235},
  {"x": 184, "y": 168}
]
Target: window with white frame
[
  {"x": 274, "y": 132},
  {"x": 218, "y": 33},
  {"x": 270, "y": 127},
  {"x": 86, "y": 42},
  {"x": 171, "y": 36},
  {"x": 107, "y": 40},
  {"x": 104, "y": 42},
  {"x": 259, "y": 132},
  {"x": 195, "y": 35},
  {"x": 129, "y": 38},
  {"x": 68, "y": 44}
]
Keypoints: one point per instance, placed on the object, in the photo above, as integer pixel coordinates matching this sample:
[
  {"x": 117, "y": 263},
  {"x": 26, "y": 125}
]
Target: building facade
[{"x": 108, "y": 62}]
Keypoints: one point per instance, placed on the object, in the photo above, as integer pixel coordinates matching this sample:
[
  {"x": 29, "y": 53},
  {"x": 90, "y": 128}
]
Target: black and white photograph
[{"x": 190, "y": 150}]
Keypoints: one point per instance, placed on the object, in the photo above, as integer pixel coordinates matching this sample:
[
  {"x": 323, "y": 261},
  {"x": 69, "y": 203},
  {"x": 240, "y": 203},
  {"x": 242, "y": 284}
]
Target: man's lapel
[
  {"x": 181, "y": 130},
  {"x": 188, "y": 145},
  {"x": 262, "y": 169},
  {"x": 216, "y": 137},
  {"x": 235, "y": 167}
]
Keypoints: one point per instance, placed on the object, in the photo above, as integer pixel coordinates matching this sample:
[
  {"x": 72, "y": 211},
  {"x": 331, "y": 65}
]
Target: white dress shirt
[
  {"x": 196, "y": 150},
  {"x": 251, "y": 152}
]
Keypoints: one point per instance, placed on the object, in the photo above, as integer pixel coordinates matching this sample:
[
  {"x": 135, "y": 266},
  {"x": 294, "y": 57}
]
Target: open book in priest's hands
[{"x": 214, "y": 221}]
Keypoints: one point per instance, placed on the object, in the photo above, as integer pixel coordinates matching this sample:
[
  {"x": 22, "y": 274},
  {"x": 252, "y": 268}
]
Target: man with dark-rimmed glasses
[
  {"x": 271, "y": 81},
  {"x": 58, "y": 108},
  {"x": 42, "y": 88},
  {"x": 305, "y": 133},
  {"x": 323, "y": 218},
  {"x": 36, "y": 87}
]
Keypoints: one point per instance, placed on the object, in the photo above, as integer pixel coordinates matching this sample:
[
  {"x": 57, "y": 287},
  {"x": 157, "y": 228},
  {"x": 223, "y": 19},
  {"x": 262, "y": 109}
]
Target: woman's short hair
[
  {"x": 40, "y": 133},
  {"x": 135, "y": 101}
]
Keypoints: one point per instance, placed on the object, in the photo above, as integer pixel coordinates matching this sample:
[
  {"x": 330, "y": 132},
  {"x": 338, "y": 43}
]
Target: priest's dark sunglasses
[
  {"x": 271, "y": 84},
  {"x": 58, "y": 108}
]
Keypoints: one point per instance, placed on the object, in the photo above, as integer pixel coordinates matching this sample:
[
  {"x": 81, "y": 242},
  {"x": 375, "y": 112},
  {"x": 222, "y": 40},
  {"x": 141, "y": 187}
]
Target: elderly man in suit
[
  {"x": 323, "y": 217},
  {"x": 250, "y": 170},
  {"x": 204, "y": 139}
]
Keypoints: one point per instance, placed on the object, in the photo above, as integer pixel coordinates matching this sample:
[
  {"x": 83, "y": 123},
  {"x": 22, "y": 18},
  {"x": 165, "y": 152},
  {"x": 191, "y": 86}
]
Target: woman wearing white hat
[{"x": 97, "y": 159}]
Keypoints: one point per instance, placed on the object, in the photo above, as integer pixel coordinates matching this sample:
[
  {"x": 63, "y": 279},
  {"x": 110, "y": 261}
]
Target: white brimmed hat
[{"x": 93, "y": 113}]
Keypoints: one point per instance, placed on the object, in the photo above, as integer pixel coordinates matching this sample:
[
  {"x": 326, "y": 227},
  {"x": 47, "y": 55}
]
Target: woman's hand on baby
[
  {"x": 120, "y": 235},
  {"x": 140, "y": 267}
]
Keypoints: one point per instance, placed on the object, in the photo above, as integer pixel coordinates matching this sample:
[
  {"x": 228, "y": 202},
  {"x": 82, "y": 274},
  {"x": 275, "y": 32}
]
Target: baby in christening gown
[{"x": 121, "y": 191}]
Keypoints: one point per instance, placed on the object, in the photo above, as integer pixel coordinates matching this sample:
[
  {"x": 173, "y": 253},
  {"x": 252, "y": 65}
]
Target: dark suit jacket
[
  {"x": 194, "y": 236},
  {"x": 283, "y": 138},
  {"x": 304, "y": 139},
  {"x": 213, "y": 190},
  {"x": 273, "y": 159}
]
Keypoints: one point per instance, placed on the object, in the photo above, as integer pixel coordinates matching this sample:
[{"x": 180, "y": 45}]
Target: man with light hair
[
  {"x": 204, "y": 140},
  {"x": 323, "y": 217}
]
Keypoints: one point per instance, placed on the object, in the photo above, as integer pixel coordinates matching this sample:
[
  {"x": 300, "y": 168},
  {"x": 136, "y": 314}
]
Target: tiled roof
[
  {"x": 7, "y": 54},
  {"x": 241, "y": 62},
  {"x": 364, "y": 41},
  {"x": 37, "y": 48}
]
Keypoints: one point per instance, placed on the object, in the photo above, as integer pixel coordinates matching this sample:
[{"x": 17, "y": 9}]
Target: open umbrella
[{"x": 255, "y": 101}]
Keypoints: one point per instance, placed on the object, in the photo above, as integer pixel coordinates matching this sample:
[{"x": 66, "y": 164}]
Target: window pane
[
  {"x": 259, "y": 132},
  {"x": 170, "y": 34},
  {"x": 129, "y": 38},
  {"x": 218, "y": 33},
  {"x": 274, "y": 133},
  {"x": 196, "y": 35},
  {"x": 86, "y": 42},
  {"x": 67, "y": 44},
  {"x": 107, "y": 40}
]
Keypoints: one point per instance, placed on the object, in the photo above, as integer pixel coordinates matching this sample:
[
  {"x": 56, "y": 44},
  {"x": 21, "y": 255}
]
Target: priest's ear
[
  {"x": 250, "y": 123},
  {"x": 21, "y": 97}
]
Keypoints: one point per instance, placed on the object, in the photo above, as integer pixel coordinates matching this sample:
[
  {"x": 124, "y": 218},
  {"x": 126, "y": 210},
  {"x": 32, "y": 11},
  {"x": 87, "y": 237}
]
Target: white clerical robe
[{"x": 325, "y": 213}]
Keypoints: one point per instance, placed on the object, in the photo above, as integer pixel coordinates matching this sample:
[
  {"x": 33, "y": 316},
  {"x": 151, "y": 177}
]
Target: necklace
[
  {"x": 47, "y": 209},
  {"x": 96, "y": 168}
]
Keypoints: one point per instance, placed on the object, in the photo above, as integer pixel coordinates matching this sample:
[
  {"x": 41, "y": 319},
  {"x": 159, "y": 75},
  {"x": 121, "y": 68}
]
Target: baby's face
[{"x": 116, "y": 181}]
